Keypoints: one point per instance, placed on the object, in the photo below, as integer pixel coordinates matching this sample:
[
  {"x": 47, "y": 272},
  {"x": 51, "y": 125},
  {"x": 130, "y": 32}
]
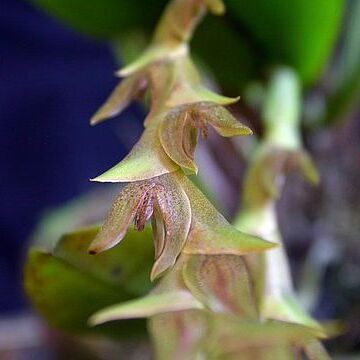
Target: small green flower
[
  {"x": 173, "y": 32},
  {"x": 179, "y": 130},
  {"x": 182, "y": 220},
  {"x": 180, "y": 106},
  {"x": 206, "y": 307},
  {"x": 262, "y": 187},
  {"x": 216, "y": 283},
  {"x": 269, "y": 167},
  {"x": 160, "y": 198}
]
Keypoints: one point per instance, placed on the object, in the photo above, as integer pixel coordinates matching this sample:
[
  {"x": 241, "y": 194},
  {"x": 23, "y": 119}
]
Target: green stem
[
  {"x": 281, "y": 113},
  {"x": 263, "y": 181}
]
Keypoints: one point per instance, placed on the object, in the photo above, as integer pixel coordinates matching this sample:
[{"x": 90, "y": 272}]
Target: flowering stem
[
  {"x": 281, "y": 113},
  {"x": 279, "y": 149}
]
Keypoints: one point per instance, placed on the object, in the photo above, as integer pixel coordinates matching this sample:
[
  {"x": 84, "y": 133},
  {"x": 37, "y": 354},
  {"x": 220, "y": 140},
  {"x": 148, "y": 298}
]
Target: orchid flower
[
  {"x": 182, "y": 220},
  {"x": 206, "y": 307}
]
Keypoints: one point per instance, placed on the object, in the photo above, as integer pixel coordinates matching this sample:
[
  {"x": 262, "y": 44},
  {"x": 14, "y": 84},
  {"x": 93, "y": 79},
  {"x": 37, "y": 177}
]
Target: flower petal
[
  {"x": 307, "y": 168},
  {"x": 222, "y": 283},
  {"x": 152, "y": 54},
  {"x": 174, "y": 206},
  {"x": 266, "y": 176},
  {"x": 146, "y": 160},
  {"x": 233, "y": 335},
  {"x": 120, "y": 98},
  {"x": 178, "y": 139},
  {"x": 204, "y": 94},
  {"x": 314, "y": 350},
  {"x": 147, "y": 306},
  {"x": 285, "y": 308},
  {"x": 119, "y": 218},
  {"x": 217, "y": 7},
  {"x": 178, "y": 335},
  {"x": 158, "y": 228},
  {"x": 210, "y": 232},
  {"x": 188, "y": 87},
  {"x": 224, "y": 122}
]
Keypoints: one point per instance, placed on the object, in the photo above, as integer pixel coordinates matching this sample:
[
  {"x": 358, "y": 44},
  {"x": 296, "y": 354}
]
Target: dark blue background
[{"x": 51, "y": 81}]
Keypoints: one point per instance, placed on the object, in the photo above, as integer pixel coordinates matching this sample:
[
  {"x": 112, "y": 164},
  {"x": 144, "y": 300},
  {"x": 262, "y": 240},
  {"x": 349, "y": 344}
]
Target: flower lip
[{"x": 145, "y": 209}]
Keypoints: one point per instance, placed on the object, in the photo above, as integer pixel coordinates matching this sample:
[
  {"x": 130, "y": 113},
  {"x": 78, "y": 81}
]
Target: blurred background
[{"x": 57, "y": 63}]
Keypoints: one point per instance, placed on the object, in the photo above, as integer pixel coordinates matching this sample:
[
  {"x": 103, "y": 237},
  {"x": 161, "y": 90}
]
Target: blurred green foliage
[
  {"x": 106, "y": 18},
  {"x": 68, "y": 285},
  {"x": 346, "y": 81},
  {"x": 298, "y": 33}
]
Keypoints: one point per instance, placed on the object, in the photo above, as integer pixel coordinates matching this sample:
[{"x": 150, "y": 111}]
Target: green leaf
[
  {"x": 68, "y": 286},
  {"x": 234, "y": 62},
  {"x": 299, "y": 33},
  {"x": 66, "y": 296},
  {"x": 127, "y": 266},
  {"x": 106, "y": 18},
  {"x": 345, "y": 82}
]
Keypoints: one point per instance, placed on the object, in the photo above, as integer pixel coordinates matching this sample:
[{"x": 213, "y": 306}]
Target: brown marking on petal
[
  {"x": 198, "y": 120},
  {"x": 186, "y": 329},
  {"x": 222, "y": 283},
  {"x": 119, "y": 218},
  {"x": 145, "y": 209},
  {"x": 221, "y": 279}
]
